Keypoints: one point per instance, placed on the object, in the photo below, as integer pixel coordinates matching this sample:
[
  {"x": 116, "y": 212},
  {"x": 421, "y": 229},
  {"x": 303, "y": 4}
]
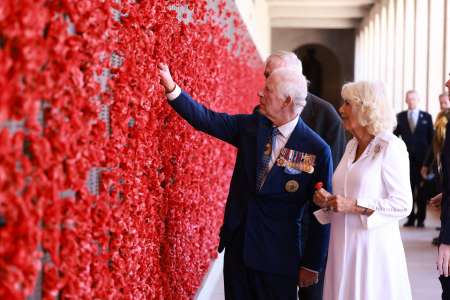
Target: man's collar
[{"x": 286, "y": 129}]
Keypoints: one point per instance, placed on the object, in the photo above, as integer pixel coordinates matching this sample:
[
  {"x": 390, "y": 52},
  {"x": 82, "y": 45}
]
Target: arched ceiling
[{"x": 321, "y": 14}]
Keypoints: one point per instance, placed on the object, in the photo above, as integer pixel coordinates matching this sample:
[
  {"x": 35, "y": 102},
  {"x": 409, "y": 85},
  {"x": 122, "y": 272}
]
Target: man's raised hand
[{"x": 165, "y": 78}]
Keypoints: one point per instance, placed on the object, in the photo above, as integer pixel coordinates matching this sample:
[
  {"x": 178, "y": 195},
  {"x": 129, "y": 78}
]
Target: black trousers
[
  {"x": 419, "y": 204},
  {"x": 244, "y": 283},
  {"x": 315, "y": 291},
  {"x": 445, "y": 283}
]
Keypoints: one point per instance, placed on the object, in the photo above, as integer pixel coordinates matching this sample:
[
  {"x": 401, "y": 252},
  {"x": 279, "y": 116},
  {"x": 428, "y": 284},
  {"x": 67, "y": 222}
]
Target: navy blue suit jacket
[
  {"x": 418, "y": 142},
  {"x": 272, "y": 216},
  {"x": 444, "y": 235}
]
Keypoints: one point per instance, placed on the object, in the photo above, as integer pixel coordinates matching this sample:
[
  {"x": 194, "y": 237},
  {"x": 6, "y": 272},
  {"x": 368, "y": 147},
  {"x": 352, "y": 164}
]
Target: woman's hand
[
  {"x": 436, "y": 201},
  {"x": 320, "y": 198},
  {"x": 337, "y": 203}
]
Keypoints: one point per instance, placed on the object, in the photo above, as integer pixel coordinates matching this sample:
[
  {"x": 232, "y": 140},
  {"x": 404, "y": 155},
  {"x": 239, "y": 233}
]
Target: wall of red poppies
[{"x": 105, "y": 193}]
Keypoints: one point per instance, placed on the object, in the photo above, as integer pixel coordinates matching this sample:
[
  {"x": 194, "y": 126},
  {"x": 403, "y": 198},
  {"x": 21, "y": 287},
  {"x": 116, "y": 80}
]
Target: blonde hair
[
  {"x": 439, "y": 131},
  {"x": 371, "y": 106}
]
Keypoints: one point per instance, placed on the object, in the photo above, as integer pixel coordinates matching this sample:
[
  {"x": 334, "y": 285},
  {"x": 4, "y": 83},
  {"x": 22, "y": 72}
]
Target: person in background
[
  {"x": 371, "y": 193},
  {"x": 431, "y": 180},
  {"x": 439, "y": 124},
  {"x": 443, "y": 259},
  {"x": 279, "y": 160},
  {"x": 415, "y": 127}
]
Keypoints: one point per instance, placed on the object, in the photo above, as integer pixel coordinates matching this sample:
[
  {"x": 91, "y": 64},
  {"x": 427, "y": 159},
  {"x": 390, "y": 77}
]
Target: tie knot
[{"x": 275, "y": 132}]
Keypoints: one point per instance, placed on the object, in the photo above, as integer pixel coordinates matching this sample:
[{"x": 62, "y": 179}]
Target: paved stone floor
[{"x": 420, "y": 255}]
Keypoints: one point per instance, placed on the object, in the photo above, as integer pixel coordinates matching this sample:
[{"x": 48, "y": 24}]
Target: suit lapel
[
  {"x": 405, "y": 121},
  {"x": 419, "y": 122},
  {"x": 296, "y": 136}
]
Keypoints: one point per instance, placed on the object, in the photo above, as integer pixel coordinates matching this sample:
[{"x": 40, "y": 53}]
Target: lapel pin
[{"x": 291, "y": 186}]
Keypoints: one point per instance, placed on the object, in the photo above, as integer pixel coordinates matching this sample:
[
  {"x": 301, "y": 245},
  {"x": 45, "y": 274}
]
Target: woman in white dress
[{"x": 371, "y": 193}]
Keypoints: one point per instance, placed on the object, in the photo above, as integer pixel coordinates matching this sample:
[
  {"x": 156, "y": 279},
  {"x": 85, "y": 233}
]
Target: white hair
[
  {"x": 289, "y": 59},
  {"x": 292, "y": 85},
  {"x": 370, "y": 105}
]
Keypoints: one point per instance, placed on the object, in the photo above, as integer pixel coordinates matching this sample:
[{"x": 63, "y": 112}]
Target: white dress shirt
[
  {"x": 413, "y": 116},
  {"x": 281, "y": 139},
  {"x": 174, "y": 94}
]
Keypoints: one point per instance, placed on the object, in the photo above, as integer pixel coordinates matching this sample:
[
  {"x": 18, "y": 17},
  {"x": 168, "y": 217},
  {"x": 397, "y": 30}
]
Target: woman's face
[{"x": 348, "y": 116}]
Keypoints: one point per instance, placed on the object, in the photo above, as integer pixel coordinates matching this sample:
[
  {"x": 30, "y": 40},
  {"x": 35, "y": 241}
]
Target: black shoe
[
  {"x": 409, "y": 224},
  {"x": 420, "y": 225}
]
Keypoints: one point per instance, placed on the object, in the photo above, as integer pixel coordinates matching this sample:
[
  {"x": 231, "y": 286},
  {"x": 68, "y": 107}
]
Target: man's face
[
  {"x": 444, "y": 102},
  {"x": 271, "y": 102},
  {"x": 272, "y": 64},
  {"x": 412, "y": 100},
  {"x": 447, "y": 84}
]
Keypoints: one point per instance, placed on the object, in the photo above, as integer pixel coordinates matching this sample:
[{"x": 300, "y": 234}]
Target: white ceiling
[{"x": 322, "y": 14}]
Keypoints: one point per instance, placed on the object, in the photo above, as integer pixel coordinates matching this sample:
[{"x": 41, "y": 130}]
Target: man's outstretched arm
[{"x": 219, "y": 125}]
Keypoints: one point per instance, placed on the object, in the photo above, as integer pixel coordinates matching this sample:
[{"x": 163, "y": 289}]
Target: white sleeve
[
  {"x": 395, "y": 179},
  {"x": 174, "y": 94}
]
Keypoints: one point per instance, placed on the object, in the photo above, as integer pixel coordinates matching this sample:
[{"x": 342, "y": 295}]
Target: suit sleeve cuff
[
  {"x": 316, "y": 272},
  {"x": 174, "y": 94}
]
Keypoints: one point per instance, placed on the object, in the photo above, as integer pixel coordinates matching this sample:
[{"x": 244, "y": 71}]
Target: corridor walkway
[
  {"x": 420, "y": 255},
  {"x": 421, "y": 259}
]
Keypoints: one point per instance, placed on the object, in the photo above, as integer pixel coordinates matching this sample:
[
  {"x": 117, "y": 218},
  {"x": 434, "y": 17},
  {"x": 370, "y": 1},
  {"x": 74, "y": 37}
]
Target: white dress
[{"x": 366, "y": 259}]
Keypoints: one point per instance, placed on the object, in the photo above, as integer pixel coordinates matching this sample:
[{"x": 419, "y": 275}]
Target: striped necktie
[{"x": 263, "y": 168}]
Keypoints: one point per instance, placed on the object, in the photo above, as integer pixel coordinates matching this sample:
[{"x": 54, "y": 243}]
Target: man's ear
[{"x": 288, "y": 101}]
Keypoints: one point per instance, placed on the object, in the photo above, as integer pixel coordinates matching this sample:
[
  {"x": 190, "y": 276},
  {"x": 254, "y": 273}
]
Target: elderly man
[
  {"x": 321, "y": 117},
  {"x": 318, "y": 114},
  {"x": 279, "y": 161},
  {"x": 415, "y": 127}
]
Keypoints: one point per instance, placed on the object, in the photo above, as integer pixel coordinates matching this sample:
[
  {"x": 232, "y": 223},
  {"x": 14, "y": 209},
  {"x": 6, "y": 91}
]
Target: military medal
[
  {"x": 281, "y": 162},
  {"x": 267, "y": 149},
  {"x": 291, "y": 186},
  {"x": 296, "y": 161}
]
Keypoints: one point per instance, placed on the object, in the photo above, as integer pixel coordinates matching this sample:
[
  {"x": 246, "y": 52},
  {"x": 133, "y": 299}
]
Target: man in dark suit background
[
  {"x": 443, "y": 261},
  {"x": 415, "y": 127},
  {"x": 279, "y": 161},
  {"x": 321, "y": 117}
]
